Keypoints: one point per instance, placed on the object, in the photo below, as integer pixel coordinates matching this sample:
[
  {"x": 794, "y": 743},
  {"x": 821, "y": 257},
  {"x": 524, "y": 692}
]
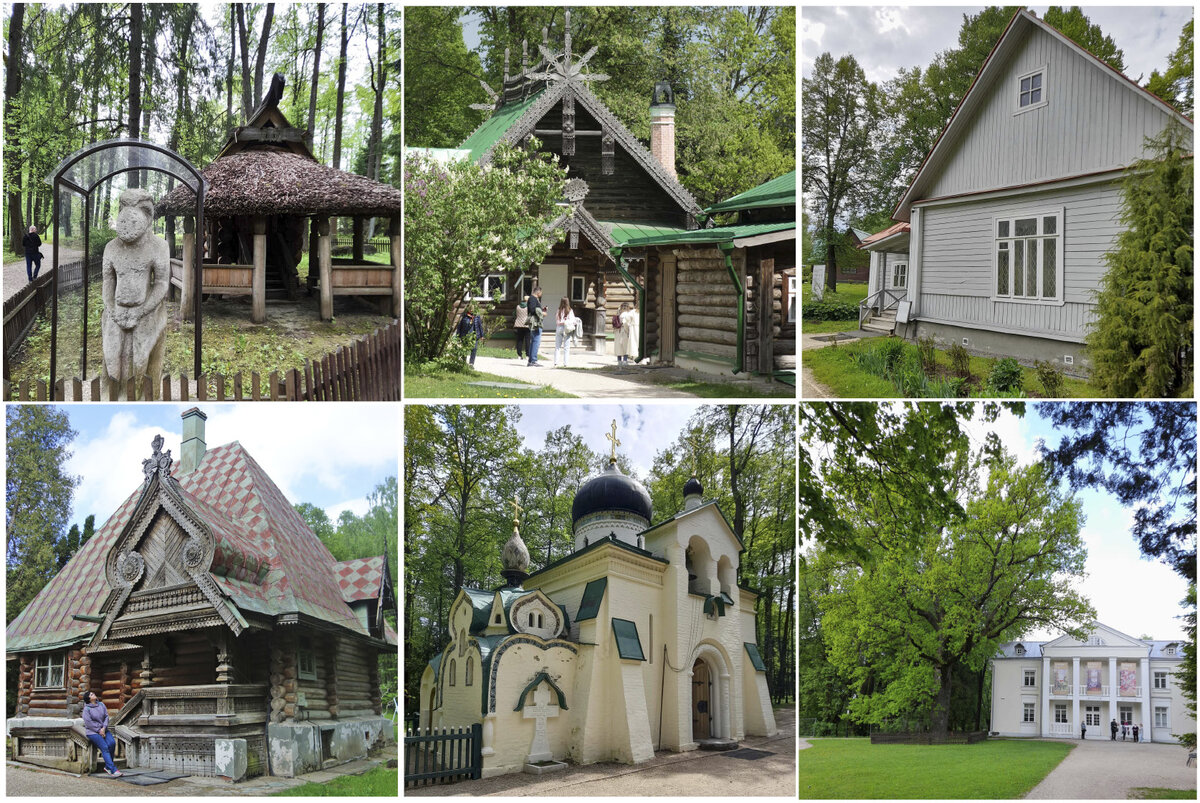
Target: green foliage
[
  {"x": 829, "y": 310},
  {"x": 960, "y": 360},
  {"x": 1079, "y": 29},
  {"x": 376, "y": 782},
  {"x": 1177, "y": 84},
  {"x": 1186, "y": 674},
  {"x": 441, "y": 78},
  {"x": 38, "y": 492},
  {"x": 1006, "y": 377},
  {"x": 1141, "y": 340},
  {"x": 463, "y": 221},
  {"x": 1051, "y": 379},
  {"x": 927, "y": 352}
]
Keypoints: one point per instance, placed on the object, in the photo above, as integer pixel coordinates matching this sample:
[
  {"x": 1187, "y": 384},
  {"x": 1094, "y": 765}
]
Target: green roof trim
[
  {"x": 538, "y": 678},
  {"x": 755, "y": 657},
  {"x": 593, "y": 594},
  {"x": 721, "y": 234},
  {"x": 629, "y": 646},
  {"x": 493, "y": 129},
  {"x": 623, "y": 231},
  {"x": 779, "y": 191}
]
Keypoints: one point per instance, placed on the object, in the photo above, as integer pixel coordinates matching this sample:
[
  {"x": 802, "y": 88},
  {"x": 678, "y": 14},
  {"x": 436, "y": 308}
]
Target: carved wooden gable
[{"x": 162, "y": 550}]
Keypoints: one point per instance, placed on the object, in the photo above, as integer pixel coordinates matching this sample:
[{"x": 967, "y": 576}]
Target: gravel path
[
  {"x": 14, "y": 272},
  {"x": 692, "y": 774},
  {"x": 1101, "y": 769}
]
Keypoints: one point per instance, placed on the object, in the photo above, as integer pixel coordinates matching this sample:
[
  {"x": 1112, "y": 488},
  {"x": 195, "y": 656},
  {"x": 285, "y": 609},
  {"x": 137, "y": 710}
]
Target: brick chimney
[
  {"x": 193, "y": 448},
  {"x": 662, "y": 126}
]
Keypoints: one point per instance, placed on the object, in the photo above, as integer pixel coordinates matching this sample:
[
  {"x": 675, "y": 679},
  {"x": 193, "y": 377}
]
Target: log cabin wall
[
  {"x": 314, "y": 690},
  {"x": 251, "y": 657},
  {"x": 183, "y": 659},
  {"x": 707, "y": 302},
  {"x": 114, "y": 676},
  {"x": 357, "y": 679},
  {"x": 60, "y": 701}
]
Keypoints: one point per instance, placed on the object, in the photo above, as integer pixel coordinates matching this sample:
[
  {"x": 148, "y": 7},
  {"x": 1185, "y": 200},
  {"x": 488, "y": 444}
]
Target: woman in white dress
[
  {"x": 563, "y": 331},
  {"x": 625, "y": 341}
]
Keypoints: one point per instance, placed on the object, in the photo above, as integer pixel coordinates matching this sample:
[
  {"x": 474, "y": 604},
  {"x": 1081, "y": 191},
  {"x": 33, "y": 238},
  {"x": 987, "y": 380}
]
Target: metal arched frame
[{"x": 189, "y": 176}]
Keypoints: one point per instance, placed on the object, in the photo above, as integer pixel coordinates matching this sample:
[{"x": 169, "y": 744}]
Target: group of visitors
[{"x": 1126, "y": 729}]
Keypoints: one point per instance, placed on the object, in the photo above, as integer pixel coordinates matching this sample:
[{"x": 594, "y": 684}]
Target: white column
[
  {"x": 1075, "y": 720},
  {"x": 1146, "y": 729},
  {"x": 913, "y": 291},
  {"x": 1045, "y": 695},
  {"x": 1113, "y": 687},
  {"x": 726, "y": 707}
]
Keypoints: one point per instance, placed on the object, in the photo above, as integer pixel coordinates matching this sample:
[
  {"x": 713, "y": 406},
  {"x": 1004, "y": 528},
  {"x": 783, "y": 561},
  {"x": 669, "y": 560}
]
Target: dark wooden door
[
  {"x": 667, "y": 321},
  {"x": 701, "y": 702}
]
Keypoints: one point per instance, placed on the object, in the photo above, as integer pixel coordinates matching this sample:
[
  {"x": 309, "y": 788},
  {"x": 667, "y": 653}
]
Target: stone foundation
[{"x": 294, "y": 748}]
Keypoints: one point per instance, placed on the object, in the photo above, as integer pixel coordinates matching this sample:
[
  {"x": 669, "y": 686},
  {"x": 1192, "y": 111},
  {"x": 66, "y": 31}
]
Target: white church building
[
  {"x": 1052, "y": 688},
  {"x": 640, "y": 640}
]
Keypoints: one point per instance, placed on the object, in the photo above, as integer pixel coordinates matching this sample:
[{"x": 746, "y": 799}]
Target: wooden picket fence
[
  {"x": 22, "y": 309},
  {"x": 437, "y": 755},
  {"x": 368, "y": 370}
]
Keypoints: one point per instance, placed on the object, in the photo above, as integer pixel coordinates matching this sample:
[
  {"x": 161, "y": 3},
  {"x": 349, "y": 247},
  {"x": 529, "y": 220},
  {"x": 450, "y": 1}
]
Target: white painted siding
[
  {"x": 1091, "y": 122},
  {"x": 958, "y": 261}
]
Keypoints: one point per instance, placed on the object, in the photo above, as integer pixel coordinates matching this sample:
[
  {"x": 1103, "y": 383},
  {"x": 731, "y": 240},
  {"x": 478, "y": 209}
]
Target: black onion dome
[
  {"x": 693, "y": 486},
  {"x": 611, "y": 490}
]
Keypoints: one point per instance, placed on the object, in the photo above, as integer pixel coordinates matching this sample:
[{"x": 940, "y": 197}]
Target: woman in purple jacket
[{"x": 95, "y": 722}]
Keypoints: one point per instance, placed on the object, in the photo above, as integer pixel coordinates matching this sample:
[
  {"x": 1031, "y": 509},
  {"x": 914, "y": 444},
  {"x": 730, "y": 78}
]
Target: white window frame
[
  {"x": 1122, "y": 712},
  {"x": 1009, "y": 242},
  {"x": 1018, "y": 108},
  {"x": 1161, "y": 676},
  {"x": 899, "y": 276},
  {"x": 1031, "y": 678},
  {"x": 1165, "y": 720},
  {"x": 1170, "y": 650},
  {"x": 45, "y": 666},
  {"x": 1091, "y": 716},
  {"x": 306, "y": 665},
  {"x": 1030, "y": 713},
  {"x": 581, "y": 294},
  {"x": 791, "y": 289},
  {"x": 1061, "y": 717},
  {"x": 489, "y": 282}
]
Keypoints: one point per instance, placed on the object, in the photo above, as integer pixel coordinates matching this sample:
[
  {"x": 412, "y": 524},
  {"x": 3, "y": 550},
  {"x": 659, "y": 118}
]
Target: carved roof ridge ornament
[
  {"x": 563, "y": 67},
  {"x": 575, "y": 190},
  {"x": 159, "y": 462}
]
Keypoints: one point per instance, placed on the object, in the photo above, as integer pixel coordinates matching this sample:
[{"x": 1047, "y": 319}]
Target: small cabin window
[
  {"x": 306, "y": 664},
  {"x": 578, "y": 288},
  {"x": 48, "y": 673},
  {"x": 486, "y": 286},
  {"x": 1031, "y": 90},
  {"x": 453, "y": 671},
  {"x": 470, "y": 673},
  {"x": 900, "y": 275}
]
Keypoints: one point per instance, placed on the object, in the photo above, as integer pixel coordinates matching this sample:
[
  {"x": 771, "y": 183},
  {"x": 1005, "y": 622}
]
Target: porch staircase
[{"x": 883, "y": 323}]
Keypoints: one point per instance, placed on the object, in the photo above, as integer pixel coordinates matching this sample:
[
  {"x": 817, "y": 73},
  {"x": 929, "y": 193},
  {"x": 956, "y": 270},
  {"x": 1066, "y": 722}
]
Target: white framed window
[
  {"x": 900, "y": 275},
  {"x": 1160, "y": 680},
  {"x": 48, "y": 671},
  {"x": 485, "y": 286},
  {"x": 1028, "y": 258},
  {"x": 1030, "y": 677},
  {"x": 1030, "y": 709},
  {"x": 1170, "y": 650},
  {"x": 1031, "y": 90},
  {"x": 1162, "y": 717},
  {"x": 1126, "y": 715},
  {"x": 578, "y": 288},
  {"x": 1091, "y": 715},
  {"x": 1060, "y": 714},
  {"x": 306, "y": 664},
  {"x": 1019, "y": 649}
]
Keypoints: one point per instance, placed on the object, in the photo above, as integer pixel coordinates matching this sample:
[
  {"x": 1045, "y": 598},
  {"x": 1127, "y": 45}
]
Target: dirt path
[
  {"x": 14, "y": 272},
  {"x": 692, "y": 774},
  {"x": 1099, "y": 769}
]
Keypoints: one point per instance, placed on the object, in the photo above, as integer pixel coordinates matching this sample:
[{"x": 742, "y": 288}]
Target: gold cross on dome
[
  {"x": 613, "y": 438},
  {"x": 693, "y": 449},
  {"x": 517, "y": 509}
]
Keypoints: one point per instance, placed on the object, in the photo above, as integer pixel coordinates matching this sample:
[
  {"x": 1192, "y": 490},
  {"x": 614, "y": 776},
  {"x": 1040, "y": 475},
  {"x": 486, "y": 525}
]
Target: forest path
[{"x": 14, "y": 272}]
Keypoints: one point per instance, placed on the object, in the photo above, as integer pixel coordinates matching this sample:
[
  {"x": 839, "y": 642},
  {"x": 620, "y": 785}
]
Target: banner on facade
[
  {"x": 1128, "y": 673},
  {"x": 1093, "y": 678},
  {"x": 1062, "y": 683}
]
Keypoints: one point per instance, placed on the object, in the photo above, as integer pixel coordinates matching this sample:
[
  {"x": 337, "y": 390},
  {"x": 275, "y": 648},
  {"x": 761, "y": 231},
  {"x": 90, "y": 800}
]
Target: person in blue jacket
[
  {"x": 471, "y": 324},
  {"x": 95, "y": 722}
]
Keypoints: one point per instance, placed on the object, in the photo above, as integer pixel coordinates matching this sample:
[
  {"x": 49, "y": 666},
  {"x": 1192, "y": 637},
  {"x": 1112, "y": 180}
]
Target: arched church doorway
[{"x": 702, "y": 701}]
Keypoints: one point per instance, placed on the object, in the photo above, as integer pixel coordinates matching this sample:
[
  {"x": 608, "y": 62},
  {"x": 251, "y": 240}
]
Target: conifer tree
[{"x": 1140, "y": 342}]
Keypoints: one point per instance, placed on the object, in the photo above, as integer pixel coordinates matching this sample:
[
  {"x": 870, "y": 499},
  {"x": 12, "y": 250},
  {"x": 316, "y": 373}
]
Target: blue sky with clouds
[{"x": 331, "y": 455}]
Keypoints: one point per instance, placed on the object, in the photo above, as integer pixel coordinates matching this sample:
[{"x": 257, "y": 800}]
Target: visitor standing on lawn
[
  {"x": 471, "y": 325},
  {"x": 521, "y": 327},
  {"x": 33, "y": 253},
  {"x": 536, "y": 312}
]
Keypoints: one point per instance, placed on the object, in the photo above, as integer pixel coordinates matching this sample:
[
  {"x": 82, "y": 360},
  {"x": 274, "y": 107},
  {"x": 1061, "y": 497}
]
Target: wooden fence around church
[
  {"x": 439, "y": 755},
  {"x": 367, "y": 370}
]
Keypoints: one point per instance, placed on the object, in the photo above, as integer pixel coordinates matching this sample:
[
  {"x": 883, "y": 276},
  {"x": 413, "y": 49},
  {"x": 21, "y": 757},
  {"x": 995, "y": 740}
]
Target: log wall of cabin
[
  {"x": 251, "y": 657},
  {"x": 193, "y": 661},
  {"x": 782, "y": 332},
  {"x": 707, "y": 302},
  {"x": 60, "y": 701},
  {"x": 357, "y": 679},
  {"x": 629, "y": 194},
  {"x": 114, "y": 678}
]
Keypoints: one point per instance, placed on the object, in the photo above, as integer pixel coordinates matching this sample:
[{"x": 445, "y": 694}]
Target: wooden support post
[
  {"x": 766, "y": 339},
  {"x": 189, "y": 256},
  {"x": 324, "y": 247},
  {"x": 224, "y": 664},
  {"x": 397, "y": 296},
  {"x": 258, "y": 312},
  {"x": 310, "y": 280},
  {"x": 358, "y": 239},
  {"x": 147, "y": 673}
]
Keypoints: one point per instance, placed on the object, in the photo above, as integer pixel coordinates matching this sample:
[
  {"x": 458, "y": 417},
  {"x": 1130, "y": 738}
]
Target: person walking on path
[
  {"x": 535, "y": 314},
  {"x": 1114, "y": 728},
  {"x": 33, "y": 253},
  {"x": 1083, "y": 730},
  {"x": 95, "y": 721},
  {"x": 521, "y": 328},
  {"x": 471, "y": 325},
  {"x": 564, "y": 330}
]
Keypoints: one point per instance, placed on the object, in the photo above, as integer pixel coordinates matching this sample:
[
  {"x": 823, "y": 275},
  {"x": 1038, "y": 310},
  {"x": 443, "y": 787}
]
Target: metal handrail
[{"x": 892, "y": 298}]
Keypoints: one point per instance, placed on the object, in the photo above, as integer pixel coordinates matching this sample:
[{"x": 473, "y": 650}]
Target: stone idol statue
[{"x": 137, "y": 276}]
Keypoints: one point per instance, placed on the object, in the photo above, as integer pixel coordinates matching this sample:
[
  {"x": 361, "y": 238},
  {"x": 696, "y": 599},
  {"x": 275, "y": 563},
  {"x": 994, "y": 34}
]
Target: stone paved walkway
[
  {"x": 21, "y": 780},
  {"x": 1105, "y": 770},
  {"x": 582, "y": 383}
]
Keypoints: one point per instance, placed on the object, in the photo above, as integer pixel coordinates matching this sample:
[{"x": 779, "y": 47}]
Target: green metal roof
[
  {"x": 629, "y": 646},
  {"x": 623, "y": 231},
  {"x": 755, "y": 657},
  {"x": 593, "y": 594},
  {"x": 722, "y": 234},
  {"x": 495, "y": 127},
  {"x": 779, "y": 191}
]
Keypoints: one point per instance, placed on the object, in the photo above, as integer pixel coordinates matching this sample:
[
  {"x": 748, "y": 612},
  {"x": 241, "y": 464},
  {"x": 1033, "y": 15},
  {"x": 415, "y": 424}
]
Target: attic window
[
  {"x": 1031, "y": 90},
  {"x": 1020, "y": 649},
  {"x": 1170, "y": 650}
]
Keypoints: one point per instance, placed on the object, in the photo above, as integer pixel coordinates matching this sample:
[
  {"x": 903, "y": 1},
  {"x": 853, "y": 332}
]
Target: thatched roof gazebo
[{"x": 262, "y": 186}]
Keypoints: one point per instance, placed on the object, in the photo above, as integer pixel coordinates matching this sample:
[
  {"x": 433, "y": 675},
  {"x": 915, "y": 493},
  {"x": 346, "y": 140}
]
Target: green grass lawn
[
  {"x": 1161, "y": 793},
  {"x": 835, "y": 368},
  {"x": 846, "y": 292},
  {"x": 455, "y": 385},
  {"x": 379, "y": 782},
  {"x": 855, "y": 768}
]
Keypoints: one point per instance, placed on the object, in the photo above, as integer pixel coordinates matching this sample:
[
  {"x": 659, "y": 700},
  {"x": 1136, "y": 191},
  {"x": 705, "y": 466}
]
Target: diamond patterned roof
[
  {"x": 267, "y": 560},
  {"x": 360, "y": 578}
]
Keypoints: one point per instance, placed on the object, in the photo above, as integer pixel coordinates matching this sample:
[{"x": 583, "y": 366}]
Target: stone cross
[
  {"x": 539, "y": 712},
  {"x": 613, "y": 438}
]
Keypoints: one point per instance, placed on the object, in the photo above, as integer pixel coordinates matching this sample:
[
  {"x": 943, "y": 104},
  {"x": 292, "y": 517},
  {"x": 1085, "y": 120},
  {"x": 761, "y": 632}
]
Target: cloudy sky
[
  {"x": 885, "y": 38},
  {"x": 1130, "y": 593},
  {"x": 315, "y": 453}
]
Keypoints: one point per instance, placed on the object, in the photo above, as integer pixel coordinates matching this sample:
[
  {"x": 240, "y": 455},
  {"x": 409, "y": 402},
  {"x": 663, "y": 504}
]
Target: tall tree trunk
[
  {"x": 229, "y": 65},
  {"x": 375, "y": 151},
  {"x": 316, "y": 74},
  {"x": 12, "y": 160},
  {"x": 940, "y": 722},
  {"x": 830, "y": 257},
  {"x": 135, "y": 78},
  {"x": 261, "y": 57},
  {"x": 341, "y": 94},
  {"x": 246, "y": 85}
]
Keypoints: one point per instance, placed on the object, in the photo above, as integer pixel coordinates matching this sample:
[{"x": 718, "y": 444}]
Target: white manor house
[{"x": 1051, "y": 688}]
